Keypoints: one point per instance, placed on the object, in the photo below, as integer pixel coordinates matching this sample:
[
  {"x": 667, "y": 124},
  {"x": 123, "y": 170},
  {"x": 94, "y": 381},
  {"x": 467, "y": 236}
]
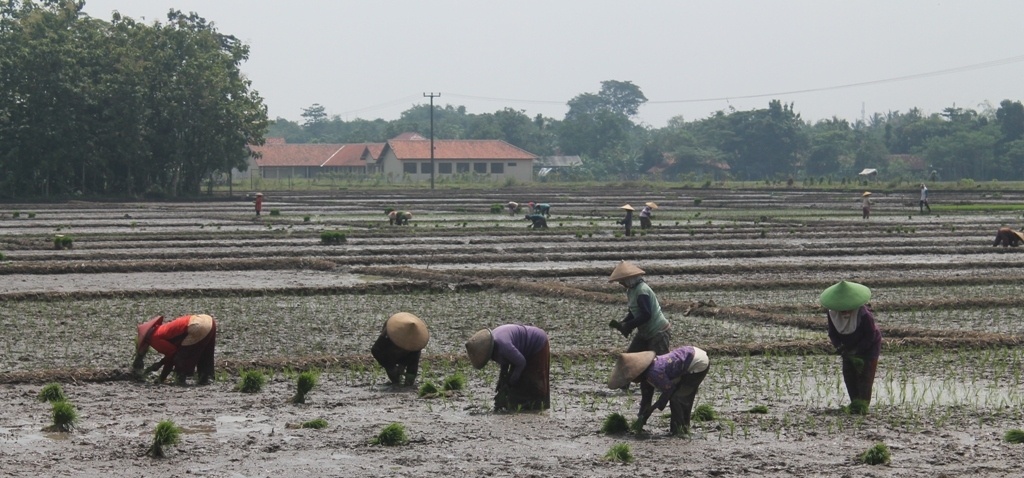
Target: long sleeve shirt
[
  {"x": 644, "y": 312},
  {"x": 513, "y": 343},
  {"x": 167, "y": 338},
  {"x": 864, "y": 340},
  {"x": 665, "y": 373},
  {"x": 388, "y": 354}
]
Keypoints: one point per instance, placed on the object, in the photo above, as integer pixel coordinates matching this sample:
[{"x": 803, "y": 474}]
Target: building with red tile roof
[
  {"x": 278, "y": 159},
  {"x": 496, "y": 160}
]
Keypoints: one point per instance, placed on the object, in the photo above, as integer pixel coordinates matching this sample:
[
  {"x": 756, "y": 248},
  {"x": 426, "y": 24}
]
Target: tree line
[
  {"x": 771, "y": 143},
  {"x": 119, "y": 108}
]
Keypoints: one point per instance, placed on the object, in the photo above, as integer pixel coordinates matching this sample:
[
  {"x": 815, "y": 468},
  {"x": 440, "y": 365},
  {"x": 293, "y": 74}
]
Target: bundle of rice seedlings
[
  {"x": 704, "y": 413},
  {"x": 615, "y": 424},
  {"x": 762, "y": 409},
  {"x": 454, "y": 383},
  {"x": 52, "y": 392},
  {"x": 857, "y": 407},
  {"x": 252, "y": 381},
  {"x": 391, "y": 435},
  {"x": 876, "y": 455},
  {"x": 316, "y": 424},
  {"x": 428, "y": 389},
  {"x": 636, "y": 426},
  {"x": 65, "y": 417},
  {"x": 165, "y": 434},
  {"x": 619, "y": 452},
  {"x": 305, "y": 383},
  {"x": 1015, "y": 435}
]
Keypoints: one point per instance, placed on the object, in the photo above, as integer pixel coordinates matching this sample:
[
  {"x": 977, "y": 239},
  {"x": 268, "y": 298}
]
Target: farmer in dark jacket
[
  {"x": 628, "y": 220},
  {"x": 854, "y": 334},
  {"x": 644, "y": 312},
  {"x": 398, "y": 347},
  {"x": 537, "y": 221}
]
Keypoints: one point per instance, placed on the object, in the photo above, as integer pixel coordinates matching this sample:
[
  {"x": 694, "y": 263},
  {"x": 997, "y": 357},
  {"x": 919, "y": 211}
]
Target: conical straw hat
[
  {"x": 845, "y": 296},
  {"x": 407, "y": 331},
  {"x": 625, "y": 270},
  {"x": 629, "y": 367},
  {"x": 198, "y": 328},
  {"x": 866, "y": 193},
  {"x": 627, "y": 207},
  {"x": 651, "y": 204},
  {"x": 145, "y": 330},
  {"x": 479, "y": 348}
]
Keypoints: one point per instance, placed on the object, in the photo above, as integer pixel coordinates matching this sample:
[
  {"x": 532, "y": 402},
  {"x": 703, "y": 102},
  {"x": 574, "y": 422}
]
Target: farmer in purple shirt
[
  {"x": 677, "y": 374},
  {"x": 854, "y": 334},
  {"x": 524, "y": 353}
]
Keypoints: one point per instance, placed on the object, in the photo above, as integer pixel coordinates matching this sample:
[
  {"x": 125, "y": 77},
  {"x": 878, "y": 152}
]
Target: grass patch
[
  {"x": 251, "y": 381},
  {"x": 620, "y": 452},
  {"x": 615, "y": 424},
  {"x": 166, "y": 434},
  {"x": 65, "y": 417},
  {"x": 705, "y": 413},
  {"x": 762, "y": 409},
  {"x": 317, "y": 424},
  {"x": 392, "y": 435},
  {"x": 876, "y": 455},
  {"x": 305, "y": 383},
  {"x": 52, "y": 392},
  {"x": 1015, "y": 435}
]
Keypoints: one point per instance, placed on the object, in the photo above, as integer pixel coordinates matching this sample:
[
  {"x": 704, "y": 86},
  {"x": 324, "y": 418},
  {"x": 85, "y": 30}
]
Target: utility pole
[{"x": 432, "y": 167}]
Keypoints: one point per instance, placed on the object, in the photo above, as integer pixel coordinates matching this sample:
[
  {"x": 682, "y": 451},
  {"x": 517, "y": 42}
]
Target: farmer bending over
[
  {"x": 400, "y": 218},
  {"x": 854, "y": 334},
  {"x": 524, "y": 354},
  {"x": 1008, "y": 237},
  {"x": 537, "y": 221},
  {"x": 186, "y": 342},
  {"x": 677, "y": 374},
  {"x": 398, "y": 347}
]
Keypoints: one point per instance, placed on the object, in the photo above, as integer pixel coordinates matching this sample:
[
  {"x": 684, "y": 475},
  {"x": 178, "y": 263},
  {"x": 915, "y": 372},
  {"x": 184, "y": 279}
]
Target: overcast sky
[{"x": 374, "y": 59}]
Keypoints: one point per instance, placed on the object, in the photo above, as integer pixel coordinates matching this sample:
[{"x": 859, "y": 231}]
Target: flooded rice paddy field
[{"x": 737, "y": 275}]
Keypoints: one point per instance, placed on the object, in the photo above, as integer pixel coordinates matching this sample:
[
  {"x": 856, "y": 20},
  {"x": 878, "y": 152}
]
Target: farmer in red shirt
[
  {"x": 186, "y": 342},
  {"x": 259, "y": 203}
]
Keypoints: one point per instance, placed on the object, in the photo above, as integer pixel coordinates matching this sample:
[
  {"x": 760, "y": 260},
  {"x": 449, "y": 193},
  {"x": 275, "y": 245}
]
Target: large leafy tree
[{"x": 95, "y": 107}]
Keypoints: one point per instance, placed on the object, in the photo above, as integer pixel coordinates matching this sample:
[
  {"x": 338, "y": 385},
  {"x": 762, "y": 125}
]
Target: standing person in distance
[
  {"x": 923, "y": 203},
  {"x": 865, "y": 204},
  {"x": 628, "y": 220}
]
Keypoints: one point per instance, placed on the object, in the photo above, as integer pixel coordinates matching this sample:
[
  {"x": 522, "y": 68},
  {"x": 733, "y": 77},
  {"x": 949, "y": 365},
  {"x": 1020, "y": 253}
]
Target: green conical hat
[{"x": 845, "y": 296}]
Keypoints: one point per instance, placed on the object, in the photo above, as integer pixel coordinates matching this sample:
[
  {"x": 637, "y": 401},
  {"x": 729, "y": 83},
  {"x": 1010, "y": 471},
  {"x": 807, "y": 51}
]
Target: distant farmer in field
[
  {"x": 542, "y": 208},
  {"x": 865, "y": 204},
  {"x": 923, "y": 203},
  {"x": 628, "y": 220},
  {"x": 677, "y": 375},
  {"x": 645, "y": 215},
  {"x": 398, "y": 347},
  {"x": 524, "y": 354},
  {"x": 1008, "y": 237},
  {"x": 259, "y": 203},
  {"x": 187, "y": 343},
  {"x": 854, "y": 334},
  {"x": 400, "y": 218},
  {"x": 513, "y": 207},
  {"x": 537, "y": 221},
  {"x": 644, "y": 312}
]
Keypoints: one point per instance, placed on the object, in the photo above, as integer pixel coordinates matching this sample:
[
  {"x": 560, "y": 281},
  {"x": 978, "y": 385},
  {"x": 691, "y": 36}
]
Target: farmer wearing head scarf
[
  {"x": 186, "y": 342},
  {"x": 644, "y": 315},
  {"x": 398, "y": 347},
  {"x": 400, "y": 218},
  {"x": 524, "y": 354},
  {"x": 1008, "y": 237},
  {"x": 677, "y": 375},
  {"x": 512, "y": 207},
  {"x": 628, "y": 220},
  {"x": 853, "y": 332}
]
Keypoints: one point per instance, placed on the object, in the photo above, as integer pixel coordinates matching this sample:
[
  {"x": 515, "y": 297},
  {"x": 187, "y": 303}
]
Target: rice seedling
[
  {"x": 876, "y": 455},
  {"x": 316, "y": 424},
  {"x": 166, "y": 434},
  {"x": 392, "y": 435},
  {"x": 1015, "y": 436},
  {"x": 454, "y": 383},
  {"x": 305, "y": 383},
  {"x": 65, "y": 417},
  {"x": 332, "y": 237},
  {"x": 615, "y": 424},
  {"x": 52, "y": 392},
  {"x": 704, "y": 413},
  {"x": 275, "y": 212},
  {"x": 762, "y": 409},
  {"x": 251, "y": 381},
  {"x": 857, "y": 407},
  {"x": 428, "y": 390},
  {"x": 620, "y": 452}
]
